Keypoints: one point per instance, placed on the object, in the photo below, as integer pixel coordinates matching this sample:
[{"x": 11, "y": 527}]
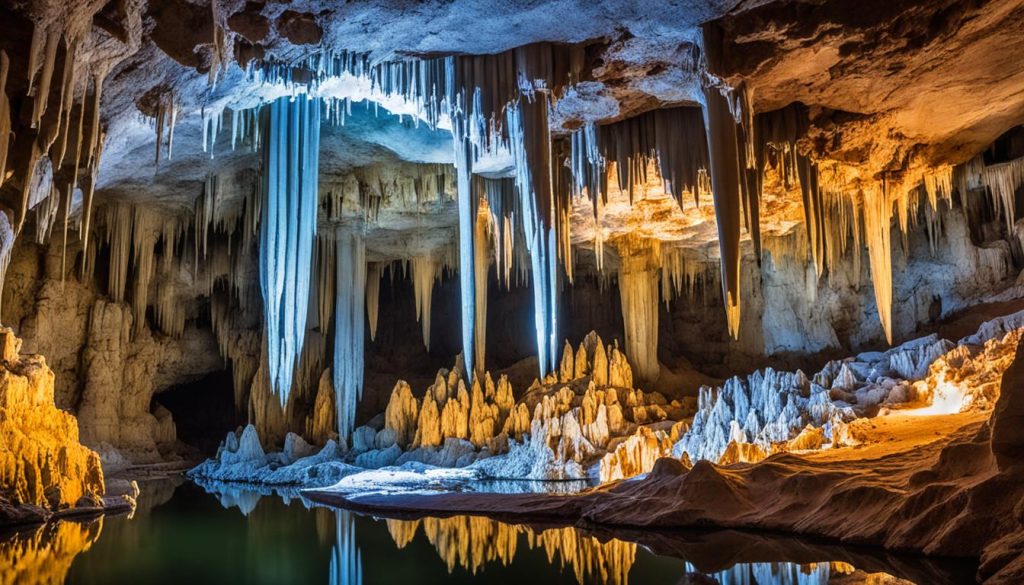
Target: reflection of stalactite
[
  {"x": 780, "y": 573},
  {"x": 471, "y": 542},
  {"x": 346, "y": 560}
]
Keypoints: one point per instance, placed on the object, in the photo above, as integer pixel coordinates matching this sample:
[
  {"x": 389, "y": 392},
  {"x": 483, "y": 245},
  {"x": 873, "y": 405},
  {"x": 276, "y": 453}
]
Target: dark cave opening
[{"x": 203, "y": 410}]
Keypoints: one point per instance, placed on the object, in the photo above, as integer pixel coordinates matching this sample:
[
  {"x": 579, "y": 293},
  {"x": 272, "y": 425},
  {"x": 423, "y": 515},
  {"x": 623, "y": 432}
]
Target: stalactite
[
  {"x": 287, "y": 231},
  {"x": 349, "y": 328},
  {"x": 674, "y": 137},
  {"x": 69, "y": 80},
  {"x": 638, "y": 291},
  {"x": 7, "y": 237},
  {"x": 95, "y": 151},
  {"x": 373, "y": 273},
  {"x": 424, "y": 273},
  {"x": 72, "y": 188},
  {"x": 502, "y": 202},
  {"x": 5, "y": 116},
  {"x": 119, "y": 223},
  {"x": 42, "y": 93},
  {"x": 143, "y": 244},
  {"x": 324, "y": 267},
  {"x": 1003, "y": 180},
  {"x": 467, "y": 226},
  {"x": 877, "y": 232},
  {"x": 725, "y": 187},
  {"x": 46, "y": 215},
  {"x": 533, "y": 171},
  {"x": 481, "y": 269}
]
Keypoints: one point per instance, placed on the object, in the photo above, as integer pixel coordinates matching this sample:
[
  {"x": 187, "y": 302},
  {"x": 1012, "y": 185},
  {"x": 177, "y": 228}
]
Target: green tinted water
[{"x": 182, "y": 534}]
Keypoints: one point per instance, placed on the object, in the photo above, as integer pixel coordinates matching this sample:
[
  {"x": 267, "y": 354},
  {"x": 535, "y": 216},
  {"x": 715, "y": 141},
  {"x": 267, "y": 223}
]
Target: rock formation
[{"x": 42, "y": 462}]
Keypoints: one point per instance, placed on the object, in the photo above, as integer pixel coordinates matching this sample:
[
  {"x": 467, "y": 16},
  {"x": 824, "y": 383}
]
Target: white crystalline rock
[
  {"x": 770, "y": 407},
  {"x": 995, "y": 328},
  {"x": 409, "y": 476},
  {"x": 242, "y": 459}
]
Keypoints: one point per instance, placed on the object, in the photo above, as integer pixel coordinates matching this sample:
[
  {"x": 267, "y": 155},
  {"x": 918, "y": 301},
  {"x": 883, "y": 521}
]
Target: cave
[
  {"x": 449, "y": 291},
  {"x": 203, "y": 411}
]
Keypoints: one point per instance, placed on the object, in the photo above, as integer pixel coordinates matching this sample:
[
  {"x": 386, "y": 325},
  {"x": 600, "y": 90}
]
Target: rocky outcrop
[
  {"x": 42, "y": 462},
  {"x": 122, "y": 370}
]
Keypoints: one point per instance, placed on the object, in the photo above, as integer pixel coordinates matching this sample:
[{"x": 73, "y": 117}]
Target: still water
[{"x": 183, "y": 533}]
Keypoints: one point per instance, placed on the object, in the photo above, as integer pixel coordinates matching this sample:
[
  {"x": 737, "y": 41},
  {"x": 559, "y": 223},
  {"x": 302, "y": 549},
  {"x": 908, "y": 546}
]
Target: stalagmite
[
  {"x": 725, "y": 187},
  {"x": 287, "y": 233},
  {"x": 349, "y": 328},
  {"x": 402, "y": 413},
  {"x": 373, "y": 271}
]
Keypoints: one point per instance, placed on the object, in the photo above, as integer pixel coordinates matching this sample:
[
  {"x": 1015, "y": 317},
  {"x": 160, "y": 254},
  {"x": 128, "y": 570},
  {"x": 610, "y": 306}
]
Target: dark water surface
[{"x": 184, "y": 534}]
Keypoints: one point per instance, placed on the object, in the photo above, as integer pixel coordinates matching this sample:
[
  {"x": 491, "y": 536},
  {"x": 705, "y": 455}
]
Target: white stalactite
[
  {"x": 540, "y": 242},
  {"x": 287, "y": 231},
  {"x": 349, "y": 328}
]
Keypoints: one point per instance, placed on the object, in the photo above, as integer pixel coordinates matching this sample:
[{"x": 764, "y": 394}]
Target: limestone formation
[{"x": 42, "y": 462}]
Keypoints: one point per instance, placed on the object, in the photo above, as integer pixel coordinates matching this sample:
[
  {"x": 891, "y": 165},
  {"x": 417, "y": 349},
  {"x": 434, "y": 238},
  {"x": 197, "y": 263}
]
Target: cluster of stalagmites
[
  {"x": 586, "y": 410},
  {"x": 43, "y": 467},
  {"x": 746, "y": 420},
  {"x": 585, "y": 419}
]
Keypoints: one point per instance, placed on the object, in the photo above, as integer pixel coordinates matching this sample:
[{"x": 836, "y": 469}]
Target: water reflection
[
  {"x": 181, "y": 533},
  {"x": 44, "y": 554},
  {"x": 471, "y": 542},
  {"x": 346, "y": 562}
]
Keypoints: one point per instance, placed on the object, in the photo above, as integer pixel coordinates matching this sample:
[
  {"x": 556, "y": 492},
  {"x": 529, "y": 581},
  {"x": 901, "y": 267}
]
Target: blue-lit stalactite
[
  {"x": 291, "y": 161},
  {"x": 349, "y": 328},
  {"x": 530, "y": 176},
  {"x": 467, "y": 254}
]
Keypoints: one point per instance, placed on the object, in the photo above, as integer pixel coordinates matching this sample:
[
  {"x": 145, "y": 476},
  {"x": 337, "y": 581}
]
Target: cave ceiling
[{"x": 888, "y": 84}]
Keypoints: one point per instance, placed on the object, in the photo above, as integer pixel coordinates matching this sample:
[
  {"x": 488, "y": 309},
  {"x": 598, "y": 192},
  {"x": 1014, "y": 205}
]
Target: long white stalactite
[
  {"x": 349, "y": 329},
  {"x": 540, "y": 239},
  {"x": 287, "y": 231}
]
